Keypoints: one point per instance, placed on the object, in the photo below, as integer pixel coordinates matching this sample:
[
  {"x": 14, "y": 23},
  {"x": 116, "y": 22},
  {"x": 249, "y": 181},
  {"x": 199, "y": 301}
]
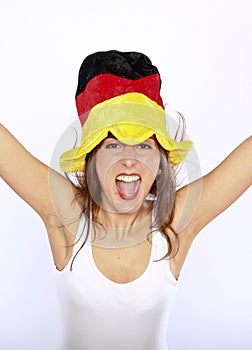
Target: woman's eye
[
  {"x": 144, "y": 146},
  {"x": 113, "y": 145}
]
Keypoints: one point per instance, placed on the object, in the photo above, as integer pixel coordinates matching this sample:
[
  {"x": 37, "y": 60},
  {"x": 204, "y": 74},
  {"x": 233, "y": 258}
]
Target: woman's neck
[{"x": 116, "y": 230}]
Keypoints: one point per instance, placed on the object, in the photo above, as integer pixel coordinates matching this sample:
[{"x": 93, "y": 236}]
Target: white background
[{"x": 203, "y": 50}]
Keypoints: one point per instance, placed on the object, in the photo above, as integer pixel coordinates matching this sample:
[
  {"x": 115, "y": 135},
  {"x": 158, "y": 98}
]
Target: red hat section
[{"x": 106, "y": 86}]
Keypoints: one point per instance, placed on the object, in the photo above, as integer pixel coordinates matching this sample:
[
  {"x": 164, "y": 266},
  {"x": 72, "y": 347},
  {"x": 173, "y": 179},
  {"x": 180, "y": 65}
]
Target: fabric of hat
[
  {"x": 119, "y": 92},
  {"x": 106, "y": 86}
]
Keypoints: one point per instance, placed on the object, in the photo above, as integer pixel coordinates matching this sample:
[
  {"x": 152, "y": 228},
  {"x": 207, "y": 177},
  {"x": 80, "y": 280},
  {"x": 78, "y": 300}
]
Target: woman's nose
[{"x": 128, "y": 156}]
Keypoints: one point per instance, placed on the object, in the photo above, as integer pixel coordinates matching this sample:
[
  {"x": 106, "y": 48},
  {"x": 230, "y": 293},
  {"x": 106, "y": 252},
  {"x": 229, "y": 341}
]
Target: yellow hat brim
[{"x": 132, "y": 118}]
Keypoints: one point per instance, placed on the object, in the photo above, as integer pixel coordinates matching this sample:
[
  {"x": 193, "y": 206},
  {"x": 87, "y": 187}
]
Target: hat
[{"x": 119, "y": 92}]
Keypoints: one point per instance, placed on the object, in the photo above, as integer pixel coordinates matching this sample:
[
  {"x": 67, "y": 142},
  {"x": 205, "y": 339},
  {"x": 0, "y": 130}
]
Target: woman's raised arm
[
  {"x": 41, "y": 187},
  {"x": 221, "y": 187}
]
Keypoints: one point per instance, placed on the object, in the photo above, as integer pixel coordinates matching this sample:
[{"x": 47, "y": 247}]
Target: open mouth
[{"x": 128, "y": 186}]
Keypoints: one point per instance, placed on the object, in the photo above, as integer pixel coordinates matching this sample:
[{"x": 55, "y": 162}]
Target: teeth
[{"x": 128, "y": 178}]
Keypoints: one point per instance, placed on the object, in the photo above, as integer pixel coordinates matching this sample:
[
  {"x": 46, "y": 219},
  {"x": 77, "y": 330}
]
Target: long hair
[{"x": 163, "y": 192}]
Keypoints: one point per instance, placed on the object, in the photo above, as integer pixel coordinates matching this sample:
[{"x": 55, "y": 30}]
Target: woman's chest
[{"x": 122, "y": 265}]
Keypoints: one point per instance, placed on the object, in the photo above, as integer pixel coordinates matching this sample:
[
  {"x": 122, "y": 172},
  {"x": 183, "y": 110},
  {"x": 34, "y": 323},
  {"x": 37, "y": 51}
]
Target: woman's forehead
[{"x": 111, "y": 136}]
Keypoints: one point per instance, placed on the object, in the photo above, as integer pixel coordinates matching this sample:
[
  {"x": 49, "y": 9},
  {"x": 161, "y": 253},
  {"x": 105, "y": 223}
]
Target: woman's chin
[{"x": 124, "y": 205}]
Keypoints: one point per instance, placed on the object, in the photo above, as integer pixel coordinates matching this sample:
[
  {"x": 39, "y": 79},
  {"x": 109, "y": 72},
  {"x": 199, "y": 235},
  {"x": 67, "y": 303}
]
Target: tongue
[{"x": 128, "y": 190}]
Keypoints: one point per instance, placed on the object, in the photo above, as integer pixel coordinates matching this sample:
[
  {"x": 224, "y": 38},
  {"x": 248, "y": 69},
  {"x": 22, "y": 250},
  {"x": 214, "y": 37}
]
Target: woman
[{"x": 120, "y": 232}]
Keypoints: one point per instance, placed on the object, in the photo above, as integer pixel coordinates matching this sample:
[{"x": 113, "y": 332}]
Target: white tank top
[{"x": 99, "y": 314}]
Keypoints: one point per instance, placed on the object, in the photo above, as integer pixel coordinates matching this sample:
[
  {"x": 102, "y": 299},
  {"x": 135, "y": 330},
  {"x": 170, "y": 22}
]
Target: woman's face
[{"x": 126, "y": 173}]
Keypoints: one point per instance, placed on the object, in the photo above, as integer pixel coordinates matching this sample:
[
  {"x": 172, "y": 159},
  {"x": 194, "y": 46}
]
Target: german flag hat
[{"x": 119, "y": 92}]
